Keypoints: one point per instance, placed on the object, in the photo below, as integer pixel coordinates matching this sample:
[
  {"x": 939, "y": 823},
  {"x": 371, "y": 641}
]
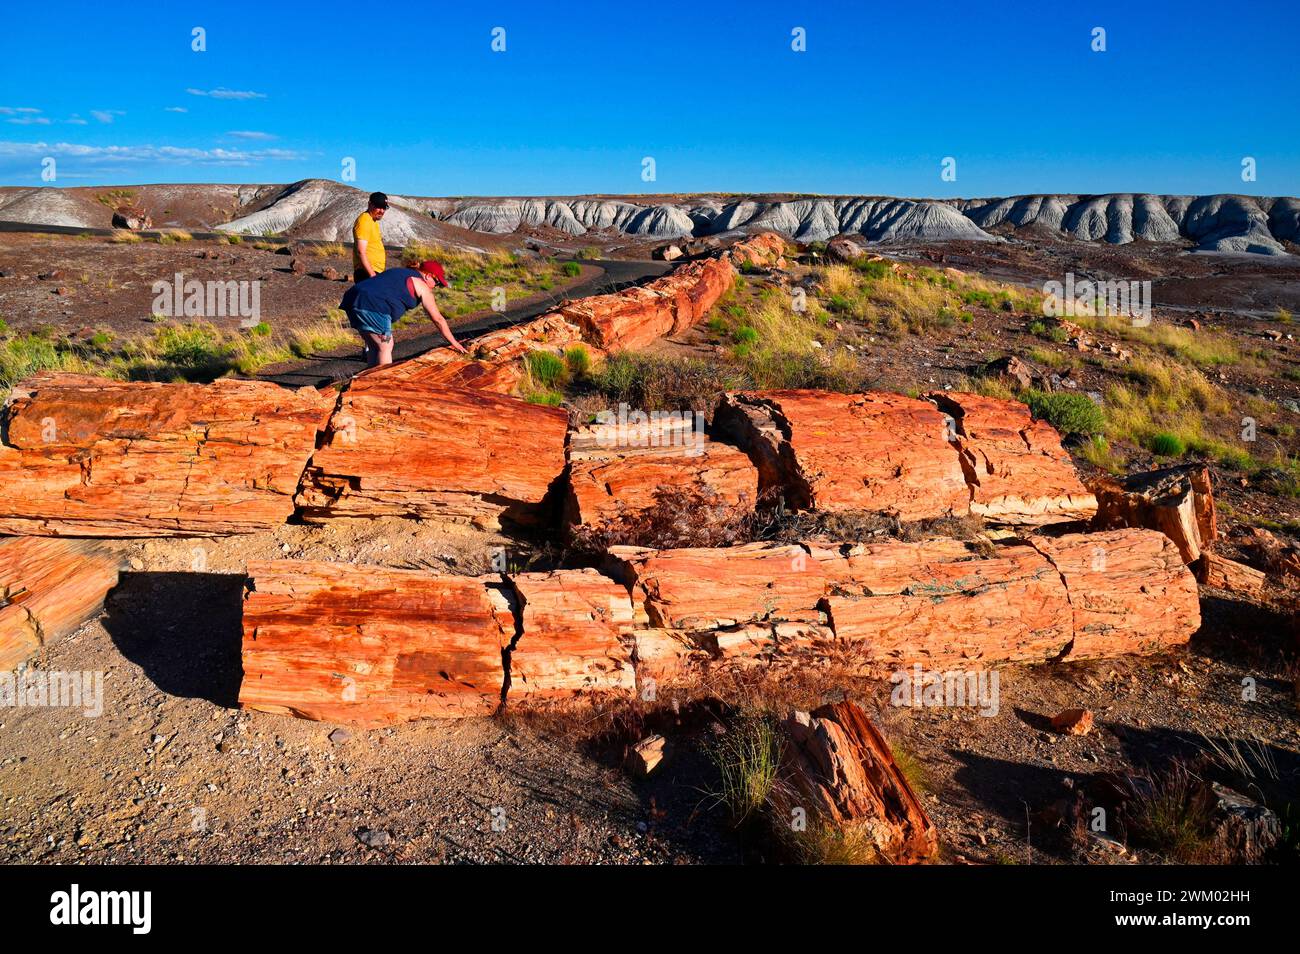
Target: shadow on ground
[{"x": 183, "y": 630}]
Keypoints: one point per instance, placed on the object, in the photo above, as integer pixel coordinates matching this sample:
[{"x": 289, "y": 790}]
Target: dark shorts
[{"x": 371, "y": 321}]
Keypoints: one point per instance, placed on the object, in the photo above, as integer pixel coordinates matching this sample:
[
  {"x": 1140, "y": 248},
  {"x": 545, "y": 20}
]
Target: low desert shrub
[{"x": 1069, "y": 413}]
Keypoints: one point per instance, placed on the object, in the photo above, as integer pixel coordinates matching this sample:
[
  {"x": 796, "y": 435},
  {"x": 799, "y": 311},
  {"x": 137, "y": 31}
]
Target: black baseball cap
[{"x": 378, "y": 200}]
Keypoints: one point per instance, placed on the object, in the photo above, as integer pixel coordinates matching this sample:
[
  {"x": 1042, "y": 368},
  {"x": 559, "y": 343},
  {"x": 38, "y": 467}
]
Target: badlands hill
[{"x": 322, "y": 209}]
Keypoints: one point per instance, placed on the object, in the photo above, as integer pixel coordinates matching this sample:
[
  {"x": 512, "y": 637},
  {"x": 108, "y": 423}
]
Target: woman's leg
[
  {"x": 385, "y": 349},
  {"x": 373, "y": 348}
]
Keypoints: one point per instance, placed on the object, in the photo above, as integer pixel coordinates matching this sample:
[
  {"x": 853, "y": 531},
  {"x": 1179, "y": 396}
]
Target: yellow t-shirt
[{"x": 366, "y": 229}]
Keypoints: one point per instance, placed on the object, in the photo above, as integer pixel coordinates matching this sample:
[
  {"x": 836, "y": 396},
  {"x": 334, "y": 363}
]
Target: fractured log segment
[
  {"x": 365, "y": 644},
  {"x": 48, "y": 588},
  {"x": 1177, "y": 501},
  {"x": 1130, "y": 592},
  {"x": 495, "y": 361},
  {"x": 838, "y": 767},
  {"x": 635, "y": 317},
  {"x": 1224, "y": 574},
  {"x": 1017, "y": 470},
  {"x": 88, "y": 456},
  {"x": 826, "y": 451},
  {"x": 395, "y": 448},
  {"x": 944, "y": 602},
  {"x": 715, "y": 589},
  {"x": 764, "y": 250},
  {"x": 572, "y": 637},
  {"x": 618, "y": 471}
]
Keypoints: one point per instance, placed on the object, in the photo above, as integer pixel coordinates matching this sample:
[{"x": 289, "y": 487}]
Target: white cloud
[
  {"x": 251, "y": 134},
  {"x": 14, "y": 110},
  {"x": 76, "y": 120},
  {"x": 106, "y": 115},
  {"x": 161, "y": 154},
  {"x": 222, "y": 93},
  {"x": 29, "y": 121},
  {"x": 175, "y": 109}
]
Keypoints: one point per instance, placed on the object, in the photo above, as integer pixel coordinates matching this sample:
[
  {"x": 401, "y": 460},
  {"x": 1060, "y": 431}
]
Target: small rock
[
  {"x": 330, "y": 273},
  {"x": 340, "y": 735},
  {"x": 374, "y": 837},
  {"x": 137, "y": 563},
  {"x": 647, "y": 755},
  {"x": 298, "y": 266},
  {"x": 1073, "y": 722},
  {"x": 63, "y": 290}
]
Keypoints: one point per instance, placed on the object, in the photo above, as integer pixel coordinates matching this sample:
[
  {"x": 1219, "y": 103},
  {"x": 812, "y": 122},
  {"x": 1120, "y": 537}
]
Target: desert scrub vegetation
[
  {"x": 195, "y": 351},
  {"x": 1204, "y": 349},
  {"x": 915, "y": 300},
  {"x": 772, "y": 343},
  {"x": 654, "y": 383},
  {"x": 1068, "y": 412},
  {"x": 329, "y": 250},
  {"x": 747, "y": 758}
]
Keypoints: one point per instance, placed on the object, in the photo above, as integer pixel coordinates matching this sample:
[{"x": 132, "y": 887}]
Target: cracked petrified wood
[
  {"x": 86, "y": 456},
  {"x": 47, "y": 589},
  {"x": 838, "y": 768},
  {"x": 494, "y": 362},
  {"x": 618, "y": 471},
  {"x": 397, "y": 448},
  {"x": 572, "y": 637},
  {"x": 825, "y": 451},
  {"x": 367, "y": 644},
  {"x": 635, "y": 317},
  {"x": 1130, "y": 592},
  {"x": 1177, "y": 501},
  {"x": 945, "y": 602},
  {"x": 1017, "y": 470}
]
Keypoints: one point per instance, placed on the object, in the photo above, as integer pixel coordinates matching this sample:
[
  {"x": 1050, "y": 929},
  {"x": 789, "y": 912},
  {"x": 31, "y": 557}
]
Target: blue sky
[{"x": 712, "y": 91}]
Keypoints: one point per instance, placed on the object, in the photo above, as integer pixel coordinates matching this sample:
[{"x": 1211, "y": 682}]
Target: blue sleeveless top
[{"x": 385, "y": 294}]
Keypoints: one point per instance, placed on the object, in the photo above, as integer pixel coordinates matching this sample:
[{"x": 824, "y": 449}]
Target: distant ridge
[{"x": 323, "y": 209}]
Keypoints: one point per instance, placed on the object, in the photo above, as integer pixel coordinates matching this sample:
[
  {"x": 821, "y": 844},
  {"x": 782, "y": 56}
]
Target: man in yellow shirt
[{"x": 368, "y": 242}]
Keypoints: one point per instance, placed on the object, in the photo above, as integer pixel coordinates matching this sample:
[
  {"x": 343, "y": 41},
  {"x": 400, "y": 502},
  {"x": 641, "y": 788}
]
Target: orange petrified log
[
  {"x": 572, "y": 637},
  {"x": 90, "y": 456},
  {"x": 618, "y": 471},
  {"x": 47, "y": 589},
  {"x": 401, "y": 449},
  {"x": 372, "y": 645},
  {"x": 1017, "y": 470},
  {"x": 840, "y": 770},
  {"x": 826, "y": 451}
]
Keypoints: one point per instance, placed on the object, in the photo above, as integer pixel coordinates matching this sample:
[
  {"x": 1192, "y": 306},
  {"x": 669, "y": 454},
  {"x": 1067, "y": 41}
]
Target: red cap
[{"x": 434, "y": 271}]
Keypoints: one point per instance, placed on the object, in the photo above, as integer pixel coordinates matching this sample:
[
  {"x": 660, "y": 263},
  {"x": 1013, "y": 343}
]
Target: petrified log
[
  {"x": 764, "y": 250},
  {"x": 617, "y": 471},
  {"x": 1224, "y": 574},
  {"x": 87, "y": 456},
  {"x": 838, "y": 768},
  {"x": 404, "y": 449},
  {"x": 708, "y": 590},
  {"x": 571, "y": 639},
  {"x": 635, "y": 317},
  {"x": 825, "y": 451},
  {"x": 494, "y": 361},
  {"x": 1177, "y": 501},
  {"x": 1129, "y": 591},
  {"x": 47, "y": 589},
  {"x": 944, "y": 602},
  {"x": 1017, "y": 470},
  {"x": 372, "y": 645}
]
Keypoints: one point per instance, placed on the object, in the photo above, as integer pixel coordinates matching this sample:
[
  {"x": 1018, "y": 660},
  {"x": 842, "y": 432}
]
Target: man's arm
[
  {"x": 431, "y": 306},
  {"x": 365, "y": 259}
]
